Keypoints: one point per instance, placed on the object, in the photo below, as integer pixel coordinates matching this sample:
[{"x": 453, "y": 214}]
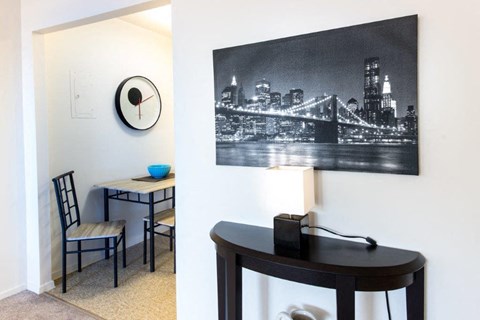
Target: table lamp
[{"x": 291, "y": 196}]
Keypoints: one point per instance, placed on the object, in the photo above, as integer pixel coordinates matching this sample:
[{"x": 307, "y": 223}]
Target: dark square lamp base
[{"x": 287, "y": 230}]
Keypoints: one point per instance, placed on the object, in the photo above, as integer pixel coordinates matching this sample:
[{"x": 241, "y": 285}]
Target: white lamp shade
[{"x": 290, "y": 189}]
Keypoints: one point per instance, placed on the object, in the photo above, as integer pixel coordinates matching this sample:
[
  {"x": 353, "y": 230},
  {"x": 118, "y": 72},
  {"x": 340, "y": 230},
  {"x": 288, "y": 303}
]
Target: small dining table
[{"x": 136, "y": 190}]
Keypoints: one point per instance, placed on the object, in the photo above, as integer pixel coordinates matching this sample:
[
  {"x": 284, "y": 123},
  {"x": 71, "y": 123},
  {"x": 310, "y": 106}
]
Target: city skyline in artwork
[{"x": 342, "y": 99}]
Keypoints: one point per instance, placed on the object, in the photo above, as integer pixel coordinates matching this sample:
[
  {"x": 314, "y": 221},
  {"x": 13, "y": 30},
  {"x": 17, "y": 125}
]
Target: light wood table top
[{"x": 141, "y": 187}]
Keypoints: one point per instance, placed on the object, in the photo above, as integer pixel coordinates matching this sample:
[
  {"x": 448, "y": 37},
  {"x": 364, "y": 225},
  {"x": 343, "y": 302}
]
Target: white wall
[
  {"x": 12, "y": 212},
  {"x": 102, "y": 148},
  {"x": 435, "y": 213}
]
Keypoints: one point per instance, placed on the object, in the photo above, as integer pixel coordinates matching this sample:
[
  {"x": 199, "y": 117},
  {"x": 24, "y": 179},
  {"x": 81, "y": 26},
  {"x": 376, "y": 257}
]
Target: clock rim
[{"x": 119, "y": 108}]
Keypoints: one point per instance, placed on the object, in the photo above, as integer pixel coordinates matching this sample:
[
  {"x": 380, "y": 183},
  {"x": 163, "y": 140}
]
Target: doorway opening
[{"x": 83, "y": 67}]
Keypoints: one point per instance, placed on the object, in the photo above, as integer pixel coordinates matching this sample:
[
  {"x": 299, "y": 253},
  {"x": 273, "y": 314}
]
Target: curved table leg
[
  {"x": 229, "y": 287},
  {"x": 221, "y": 296},
  {"x": 345, "y": 286},
  {"x": 416, "y": 297}
]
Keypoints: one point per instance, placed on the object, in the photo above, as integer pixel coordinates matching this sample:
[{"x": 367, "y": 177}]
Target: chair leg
[
  {"x": 64, "y": 266},
  {"x": 171, "y": 238},
  {"x": 115, "y": 267},
  {"x": 144, "y": 242},
  {"x": 124, "y": 247},
  {"x": 79, "y": 256}
]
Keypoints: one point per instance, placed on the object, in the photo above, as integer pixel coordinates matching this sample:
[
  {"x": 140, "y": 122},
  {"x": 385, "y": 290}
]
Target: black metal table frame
[{"x": 129, "y": 197}]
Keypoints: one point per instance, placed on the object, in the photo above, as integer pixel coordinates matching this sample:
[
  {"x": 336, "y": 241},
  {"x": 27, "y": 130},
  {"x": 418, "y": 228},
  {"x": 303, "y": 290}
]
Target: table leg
[
  {"x": 345, "y": 297},
  {"x": 416, "y": 297},
  {"x": 233, "y": 282},
  {"x": 106, "y": 217},
  {"x": 152, "y": 234},
  {"x": 229, "y": 287},
  {"x": 221, "y": 297}
]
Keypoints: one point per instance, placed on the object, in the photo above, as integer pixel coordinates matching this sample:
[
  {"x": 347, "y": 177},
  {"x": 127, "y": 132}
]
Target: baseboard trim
[
  {"x": 38, "y": 289},
  {"x": 11, "y": 292},
  {"x": 47, "y": 286},
  {"x": 86, "y": 261}
]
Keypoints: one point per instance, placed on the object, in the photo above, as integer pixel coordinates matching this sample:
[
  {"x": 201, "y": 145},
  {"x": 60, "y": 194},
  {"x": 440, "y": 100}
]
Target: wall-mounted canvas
[{"x": 342, "y": 99}]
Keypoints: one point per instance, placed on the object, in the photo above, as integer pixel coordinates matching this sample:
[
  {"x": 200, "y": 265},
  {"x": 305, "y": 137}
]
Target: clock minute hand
[{"x": 146, "y": 99}]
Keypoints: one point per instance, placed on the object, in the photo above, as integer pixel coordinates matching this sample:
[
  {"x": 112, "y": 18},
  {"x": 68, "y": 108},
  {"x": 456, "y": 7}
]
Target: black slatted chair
[
  {"x": 165, "y": 218},
  {"x": 113, "y": 231}
]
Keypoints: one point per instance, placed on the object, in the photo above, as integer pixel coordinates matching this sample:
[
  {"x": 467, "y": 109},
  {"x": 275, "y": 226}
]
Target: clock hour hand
[{"x": 139, "y": 109}]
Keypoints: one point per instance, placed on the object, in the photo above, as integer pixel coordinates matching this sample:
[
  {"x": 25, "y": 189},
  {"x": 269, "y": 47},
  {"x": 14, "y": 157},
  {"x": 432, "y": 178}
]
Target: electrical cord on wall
[
  {"x": 371, "y": 241},
  {"x": 388, "y": 306}
]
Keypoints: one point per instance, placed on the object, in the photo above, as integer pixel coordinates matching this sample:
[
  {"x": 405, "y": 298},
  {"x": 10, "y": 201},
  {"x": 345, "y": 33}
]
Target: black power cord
[
  {"x": 388, "y": 306},
  {"x": 371, "y": 241}
]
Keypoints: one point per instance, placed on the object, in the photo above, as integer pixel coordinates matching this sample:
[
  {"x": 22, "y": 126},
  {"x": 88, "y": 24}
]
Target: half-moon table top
[{"x": 322, "y": 254}]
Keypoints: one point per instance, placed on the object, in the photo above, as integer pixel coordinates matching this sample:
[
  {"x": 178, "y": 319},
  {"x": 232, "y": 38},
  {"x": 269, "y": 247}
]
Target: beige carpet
[
  {"x": 28, "y": 305},
  {"x": 140, "y": 294}
]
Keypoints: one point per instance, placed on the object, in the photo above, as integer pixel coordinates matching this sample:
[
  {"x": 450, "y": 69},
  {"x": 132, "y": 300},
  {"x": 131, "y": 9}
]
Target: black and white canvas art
[{"x": 342, "y": 99}]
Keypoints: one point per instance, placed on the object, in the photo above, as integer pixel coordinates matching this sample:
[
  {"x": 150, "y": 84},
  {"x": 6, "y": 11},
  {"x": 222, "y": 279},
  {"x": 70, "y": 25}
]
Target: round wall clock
[{"x": 138, "y": 103}]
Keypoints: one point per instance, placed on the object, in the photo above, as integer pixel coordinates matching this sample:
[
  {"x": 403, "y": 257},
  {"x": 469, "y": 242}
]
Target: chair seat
[
  {"x": 101, "y": 230},
  {"x": 165, "y": 217}
]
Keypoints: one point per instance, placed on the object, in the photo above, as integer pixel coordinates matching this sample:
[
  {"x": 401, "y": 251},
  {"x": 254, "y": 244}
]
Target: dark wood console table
[{"x": 345, "y": 266}]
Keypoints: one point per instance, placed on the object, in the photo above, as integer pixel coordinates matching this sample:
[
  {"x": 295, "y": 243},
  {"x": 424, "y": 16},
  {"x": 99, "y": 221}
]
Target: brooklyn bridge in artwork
[{"x": 342, "y": 99}]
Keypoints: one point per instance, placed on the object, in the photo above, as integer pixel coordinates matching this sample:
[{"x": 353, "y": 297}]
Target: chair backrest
[{"x": 66, "y": 201}]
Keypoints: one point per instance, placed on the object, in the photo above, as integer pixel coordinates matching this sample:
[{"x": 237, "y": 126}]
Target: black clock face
[{"x": 138, "y": 103}]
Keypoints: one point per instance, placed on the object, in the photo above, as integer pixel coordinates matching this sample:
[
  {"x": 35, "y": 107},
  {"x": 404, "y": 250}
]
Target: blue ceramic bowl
[{"x": 159, "y": 171}]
